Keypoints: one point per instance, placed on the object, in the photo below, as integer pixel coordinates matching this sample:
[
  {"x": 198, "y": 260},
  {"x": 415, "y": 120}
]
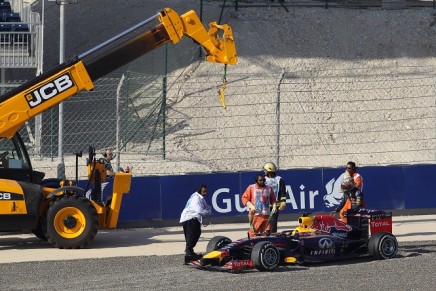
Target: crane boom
[{"x": 80, "y": 72}]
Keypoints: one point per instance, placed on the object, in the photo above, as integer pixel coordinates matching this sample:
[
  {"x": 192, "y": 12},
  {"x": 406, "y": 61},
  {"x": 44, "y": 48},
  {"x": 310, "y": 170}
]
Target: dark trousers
[
  {"x": 192, "y": 231},
  {"x": 273, "y": 221}
]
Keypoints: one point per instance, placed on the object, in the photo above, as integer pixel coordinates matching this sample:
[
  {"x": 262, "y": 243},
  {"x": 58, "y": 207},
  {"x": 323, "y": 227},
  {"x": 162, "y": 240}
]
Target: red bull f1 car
[{"x": 317, "y": 238}]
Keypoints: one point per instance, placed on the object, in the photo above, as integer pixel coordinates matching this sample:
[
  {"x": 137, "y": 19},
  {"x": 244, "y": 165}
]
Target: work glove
[
  {"x": 250, "y": 206},
  {"x": 274, "y": 208},
  {"x": 282, "y": 205},
  {"x": 333, "y": 213}
]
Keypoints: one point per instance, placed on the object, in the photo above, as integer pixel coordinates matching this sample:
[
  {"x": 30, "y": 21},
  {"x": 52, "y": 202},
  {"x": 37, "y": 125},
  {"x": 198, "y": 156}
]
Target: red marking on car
[
  {"x": 381, "y": 225},
  {"x": 239, "y": 264},
  {"x": 280, "y": 245},
  {"x": 224, "y": 254},
  {"x": 195, "y": 263},
  {"x": 339, "y": 225}
]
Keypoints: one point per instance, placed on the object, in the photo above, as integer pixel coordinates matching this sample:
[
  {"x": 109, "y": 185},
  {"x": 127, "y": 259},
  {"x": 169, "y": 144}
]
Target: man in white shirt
[{"x": 192, "y": 217}]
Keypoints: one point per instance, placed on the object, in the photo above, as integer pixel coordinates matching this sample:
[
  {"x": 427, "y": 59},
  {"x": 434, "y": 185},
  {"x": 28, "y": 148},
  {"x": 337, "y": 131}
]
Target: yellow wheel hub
[{"x": 69, "y": 222}]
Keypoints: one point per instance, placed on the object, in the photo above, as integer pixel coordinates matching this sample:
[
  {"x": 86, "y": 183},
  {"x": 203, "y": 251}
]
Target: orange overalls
[
  {"x": 261, "y": 198},
  {"x": 353, "y": 200}
]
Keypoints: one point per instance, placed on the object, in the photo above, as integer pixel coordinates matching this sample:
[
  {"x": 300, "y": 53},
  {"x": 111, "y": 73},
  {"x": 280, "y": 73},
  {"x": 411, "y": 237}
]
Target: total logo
[
  {"x": 380, "y": 223},
  {"x": 242, "y": 264}
]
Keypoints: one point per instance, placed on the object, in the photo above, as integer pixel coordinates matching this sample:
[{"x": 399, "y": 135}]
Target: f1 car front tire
[
  {"x": 217, "y": 242},
  {"x": 383, "y": 245},
  {"x": 265, "y": 256}
]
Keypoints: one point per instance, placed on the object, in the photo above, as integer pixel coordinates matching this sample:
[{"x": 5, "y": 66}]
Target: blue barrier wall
[{"x": 308, "y": 190}]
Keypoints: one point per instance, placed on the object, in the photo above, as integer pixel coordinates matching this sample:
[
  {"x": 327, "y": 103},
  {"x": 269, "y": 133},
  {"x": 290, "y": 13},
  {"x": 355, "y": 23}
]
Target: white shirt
[{"x": 196, "y": 207}]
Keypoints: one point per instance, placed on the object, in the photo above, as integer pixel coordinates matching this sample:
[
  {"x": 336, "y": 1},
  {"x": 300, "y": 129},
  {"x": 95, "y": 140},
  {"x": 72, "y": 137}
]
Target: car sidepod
[{"x": 319, "y": 248}]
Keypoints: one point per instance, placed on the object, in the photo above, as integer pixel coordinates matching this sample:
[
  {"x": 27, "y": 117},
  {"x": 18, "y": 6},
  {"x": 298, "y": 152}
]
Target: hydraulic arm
[{"x": 79, "y": 73}]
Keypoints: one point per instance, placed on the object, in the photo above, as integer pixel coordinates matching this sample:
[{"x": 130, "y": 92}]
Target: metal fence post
[
  {"x": 61, "y": 162},
  {"x": 279, "y": 81},
  {"x": 118, "y": 118},
  {"x": 164, "y": 101}
]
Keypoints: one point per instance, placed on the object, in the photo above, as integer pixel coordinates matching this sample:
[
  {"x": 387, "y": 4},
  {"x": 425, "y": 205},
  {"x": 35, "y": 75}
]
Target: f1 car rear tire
[
  {"x": 217, "y": 242},
  {"x": 265, "y": 256},
  {"x": 383, "y": 245}
]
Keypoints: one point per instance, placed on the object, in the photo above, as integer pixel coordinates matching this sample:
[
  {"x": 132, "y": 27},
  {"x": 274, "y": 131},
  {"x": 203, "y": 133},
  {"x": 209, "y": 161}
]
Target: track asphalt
[{"x": 170, "y": 240}]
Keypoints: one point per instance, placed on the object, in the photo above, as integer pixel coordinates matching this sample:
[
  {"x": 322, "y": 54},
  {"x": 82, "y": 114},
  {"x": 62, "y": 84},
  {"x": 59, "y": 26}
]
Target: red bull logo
[{"x": 330, "y": 224}]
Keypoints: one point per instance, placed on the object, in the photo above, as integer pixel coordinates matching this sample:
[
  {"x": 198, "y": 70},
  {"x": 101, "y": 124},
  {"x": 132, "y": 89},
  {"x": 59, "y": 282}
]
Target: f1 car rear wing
[{"x": 379, "y": 220}]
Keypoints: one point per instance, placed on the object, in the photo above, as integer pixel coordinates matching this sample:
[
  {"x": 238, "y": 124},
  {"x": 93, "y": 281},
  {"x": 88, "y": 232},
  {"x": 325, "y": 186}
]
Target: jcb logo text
[
  {"x": 49, "y": 90},
  {"x": 5, "y": 196}
]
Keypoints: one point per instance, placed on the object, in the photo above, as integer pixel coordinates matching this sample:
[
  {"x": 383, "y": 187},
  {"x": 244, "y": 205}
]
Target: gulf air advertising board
[{"x": 307, "y": 190}]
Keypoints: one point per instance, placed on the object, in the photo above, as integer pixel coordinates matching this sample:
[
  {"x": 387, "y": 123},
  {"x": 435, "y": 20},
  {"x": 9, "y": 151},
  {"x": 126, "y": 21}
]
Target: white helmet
[
  {"x": 347, "y": 183},
  {"x": 270, "y": 167}
]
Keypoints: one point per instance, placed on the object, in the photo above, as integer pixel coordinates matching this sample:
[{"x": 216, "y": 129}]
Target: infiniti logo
[{"x": 325, "y": 243}]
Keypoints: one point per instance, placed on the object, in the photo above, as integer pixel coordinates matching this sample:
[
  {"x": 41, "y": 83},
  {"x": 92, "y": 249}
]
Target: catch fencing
[
  {"x": 286, "y": 4},
  {"x": 296, "y": 118}
]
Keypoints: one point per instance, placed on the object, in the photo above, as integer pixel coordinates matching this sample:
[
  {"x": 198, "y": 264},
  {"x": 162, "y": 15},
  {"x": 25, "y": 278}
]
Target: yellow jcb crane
[{"x": 63, "y": 215}]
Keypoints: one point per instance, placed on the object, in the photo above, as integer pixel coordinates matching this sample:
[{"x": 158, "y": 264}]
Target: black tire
[
  {"x": 39, "y": 231},
  {"x": 371, "y": 244},
  {"x": 217, "y": 242},
  {"x": 383, "y": 245},
  {"x": 71, "y": 222},
  {"x": 265, "y": 256}
]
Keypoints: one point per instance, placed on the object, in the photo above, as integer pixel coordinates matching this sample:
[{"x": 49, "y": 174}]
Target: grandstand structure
[{"x": 20, "y": 37}]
